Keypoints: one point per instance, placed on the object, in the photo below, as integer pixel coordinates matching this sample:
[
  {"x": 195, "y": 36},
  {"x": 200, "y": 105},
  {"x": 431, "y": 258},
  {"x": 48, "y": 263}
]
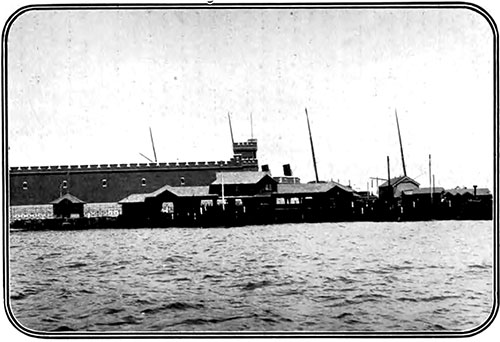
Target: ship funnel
[{"x": 287, "y": 170}]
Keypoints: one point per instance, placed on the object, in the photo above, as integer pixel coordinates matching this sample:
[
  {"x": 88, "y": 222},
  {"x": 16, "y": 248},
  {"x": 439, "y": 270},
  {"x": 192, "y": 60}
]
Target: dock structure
[{"x": 252, "y": 197}]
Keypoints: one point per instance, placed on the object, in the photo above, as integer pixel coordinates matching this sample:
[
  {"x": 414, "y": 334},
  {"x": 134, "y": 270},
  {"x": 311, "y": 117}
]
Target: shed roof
[
  {"x": 185, "y": 191},
  {"x": 179, "y": 191},
  {"x": 423, "y": 191},
  {"x": 397, "y": 180},
  {"x": 310, "y": 188},
  {"x": 134, "y": 198},
  {"x": 68, "y": 197},
  {"x": 463, "y": 191},
  {"x": 242, "y": 177}
]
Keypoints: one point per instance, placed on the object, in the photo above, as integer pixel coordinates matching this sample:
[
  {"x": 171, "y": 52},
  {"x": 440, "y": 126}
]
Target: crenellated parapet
[
  {"x": 248, "y": 143},
  {"x": 245, "y": 150},
  {"x": 235, "y": 161}
]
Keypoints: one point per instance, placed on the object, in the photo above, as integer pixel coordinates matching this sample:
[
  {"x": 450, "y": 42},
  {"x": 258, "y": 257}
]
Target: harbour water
[{"x": 410, "y": 277}]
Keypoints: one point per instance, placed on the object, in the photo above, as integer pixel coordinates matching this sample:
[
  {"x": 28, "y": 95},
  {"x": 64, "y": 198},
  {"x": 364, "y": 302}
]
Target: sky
[{"x": 85, "y": 86}]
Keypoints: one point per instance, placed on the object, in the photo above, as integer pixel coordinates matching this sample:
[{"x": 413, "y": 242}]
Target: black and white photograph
[{"x": 246, "y": 170}]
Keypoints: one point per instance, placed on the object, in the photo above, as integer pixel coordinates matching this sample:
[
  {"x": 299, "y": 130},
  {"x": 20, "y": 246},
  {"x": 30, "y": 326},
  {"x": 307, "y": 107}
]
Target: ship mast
[
  {"x": 230, "y": 127},
  {"x": 251, "y": 125},
  {"x": 312, "y": 148},
  {"x": 400, "y": 144},
  {"x": 153, "y": 144}
]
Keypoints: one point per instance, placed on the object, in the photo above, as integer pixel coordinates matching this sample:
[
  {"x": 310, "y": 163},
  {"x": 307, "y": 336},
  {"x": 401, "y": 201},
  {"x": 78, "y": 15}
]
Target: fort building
[{"x": 109, "y": 183}]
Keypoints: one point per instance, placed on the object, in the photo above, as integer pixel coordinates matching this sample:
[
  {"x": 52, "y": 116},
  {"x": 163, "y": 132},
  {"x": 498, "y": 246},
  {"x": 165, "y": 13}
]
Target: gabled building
[
  {"x": 314, "y": 201},
  {"x": 67, "y": 206},
  {"x": 167, "y": 200},
  {"x": 423, "y": 194},
  {"x": 394, "y": 187},
  {"x": 245, "y": 183},
  {"x": 466, "y": 203},
  {"x": 420, "y": 203}
]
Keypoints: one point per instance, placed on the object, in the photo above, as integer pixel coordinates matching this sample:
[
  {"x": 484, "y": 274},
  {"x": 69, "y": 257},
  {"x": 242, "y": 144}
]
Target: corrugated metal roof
[
  {"x": 242, "y": 177},
  {"x": 310, "y": 188},
  {"x": 68, "y": 197},
  {"x": 423, "y": 191},
  {"x": 396, "y": 180}
]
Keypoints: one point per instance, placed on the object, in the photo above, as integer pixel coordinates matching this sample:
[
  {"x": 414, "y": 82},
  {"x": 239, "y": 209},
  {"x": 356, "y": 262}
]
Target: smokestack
[
  {"x": 287, "y": 170},
  {"x": 475, "y": 190}
]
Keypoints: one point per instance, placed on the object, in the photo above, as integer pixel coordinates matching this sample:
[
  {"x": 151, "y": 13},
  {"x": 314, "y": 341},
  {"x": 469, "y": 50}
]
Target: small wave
[
  {"x": 172, "y": 306},
  {"x": 438, "y": 326},
  {"x": 342, "y": 315},
  {"x": 124, "y": 321},
  {"x": 182, "y": 279},
  {"x": 437, "y": 298},
  {"x": 173, "y": 258},
  {"x": 50, "y": 320},
  {"x": 353, "y": 321},
  {"x": 159, "y": 272},
  {"x": 75, "y": 265},
  {"x": 400, "y": 268},
  {"x": 441, "y": 311},
  {"x": 479, "y": 266},
  {"x": 292, "y": 292},
  {"x": 253, "y": 286},
  {"x": 358, "y": 271},
  {"x": 85, "y": 291},
  {"x": 18, "y": 296},
  {"x": 324, "y": 298},
  {"x": 144, "y": 302},
  {"x": 49, "y": 255},
  {"x": 200, "y": 321},
  {"x": 111, "y": 311},
  {"x": 340, "y": 279},
  {"x": 407, "y": 299},
  {"x": 370, "y": 296},
  {"x": 208, "y": 276},
  {"x": 63, "y": 328},
  {"x": 269, "y": 320}
]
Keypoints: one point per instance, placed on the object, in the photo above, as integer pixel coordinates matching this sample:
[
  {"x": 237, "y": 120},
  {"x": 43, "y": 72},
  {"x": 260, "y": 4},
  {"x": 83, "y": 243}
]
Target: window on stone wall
[
  {"x": 64, "y": 184},
  {"x": 143, "y": 182},
  {"x": 183, "y": 181},
  {"x": 25, "y": 185},
  {"x": 104, "y": 183}
]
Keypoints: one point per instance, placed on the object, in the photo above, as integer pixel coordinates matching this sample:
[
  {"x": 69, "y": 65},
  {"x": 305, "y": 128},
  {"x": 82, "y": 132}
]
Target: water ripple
[{"x": 363, "y": 276}]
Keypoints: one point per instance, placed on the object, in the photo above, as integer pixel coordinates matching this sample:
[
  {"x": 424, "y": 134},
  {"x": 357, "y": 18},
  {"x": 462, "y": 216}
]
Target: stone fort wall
[{"x": 110, "y": 183}]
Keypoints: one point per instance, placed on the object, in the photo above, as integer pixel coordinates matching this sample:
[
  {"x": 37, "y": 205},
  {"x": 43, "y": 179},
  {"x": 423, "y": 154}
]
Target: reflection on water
[{"x": 426, "y": 276}]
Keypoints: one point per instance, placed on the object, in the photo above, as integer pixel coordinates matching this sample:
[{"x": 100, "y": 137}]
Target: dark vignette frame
[{"x": 235, "y": 334}]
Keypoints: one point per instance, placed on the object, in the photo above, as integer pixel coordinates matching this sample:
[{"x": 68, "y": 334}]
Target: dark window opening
[
  {"x": 104, "y": 183},
  {"x": 143, "y": 182},
  {"x": 183, "y": 181},
  {"x": 64, "y": 184},
  {"x": 25, "y": 185}
]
